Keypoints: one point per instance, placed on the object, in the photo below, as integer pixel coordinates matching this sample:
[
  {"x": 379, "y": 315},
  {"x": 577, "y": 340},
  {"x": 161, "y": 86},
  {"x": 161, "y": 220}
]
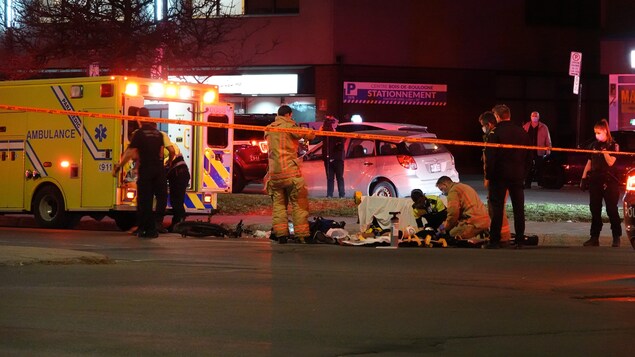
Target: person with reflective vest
[
  {"x": 285, "y": 183},
  {"x": 178, "y": 176},
  {"x": 428, "y": 207}
]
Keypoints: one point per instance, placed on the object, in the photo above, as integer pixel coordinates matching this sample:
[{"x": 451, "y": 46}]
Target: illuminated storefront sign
[
  {"x": 250, "y": 84},
  {"x": 395, "y": 93}
]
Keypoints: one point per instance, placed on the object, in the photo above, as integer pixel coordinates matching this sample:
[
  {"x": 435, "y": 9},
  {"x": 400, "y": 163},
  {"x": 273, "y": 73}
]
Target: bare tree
[{"x": 123, "y": 36}]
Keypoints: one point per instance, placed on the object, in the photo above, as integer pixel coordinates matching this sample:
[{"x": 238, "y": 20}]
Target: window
[
  {"x": 565, "y": 13},
  {"x": 252, "y": 119},
  {"x": 360, "y": 148},
  {"x": 416, "y": 149},
  {"x": 217, "y": 137},
  {"x": 265, "y": 7},
  {"x": 386, "y": 149}
]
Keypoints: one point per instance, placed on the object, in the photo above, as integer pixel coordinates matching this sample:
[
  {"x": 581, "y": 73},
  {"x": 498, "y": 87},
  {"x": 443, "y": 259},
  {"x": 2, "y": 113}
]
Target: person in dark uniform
[
  {"x": 505, "y": 170},
  {"x": 599, "y": 177},
  {"x": 147, "y": 145},
  {"x": 333, "y": 158}
]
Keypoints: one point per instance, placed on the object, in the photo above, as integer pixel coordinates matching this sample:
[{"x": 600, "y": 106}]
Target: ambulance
[{"x": 58, "y": 166}]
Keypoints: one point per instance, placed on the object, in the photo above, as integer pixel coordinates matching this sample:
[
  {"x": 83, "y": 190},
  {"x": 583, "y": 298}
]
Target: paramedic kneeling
[
  {"x": 428, "y": 207},
  {"x": 467, "y": 215}
]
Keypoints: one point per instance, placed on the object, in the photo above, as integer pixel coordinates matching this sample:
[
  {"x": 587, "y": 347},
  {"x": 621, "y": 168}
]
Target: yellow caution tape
[{"x": 303, "y": 131}]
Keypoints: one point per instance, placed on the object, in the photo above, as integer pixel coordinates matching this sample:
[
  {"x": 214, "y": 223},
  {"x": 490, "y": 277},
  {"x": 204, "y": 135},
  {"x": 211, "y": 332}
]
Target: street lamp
[{"x": 632, "y": 58}]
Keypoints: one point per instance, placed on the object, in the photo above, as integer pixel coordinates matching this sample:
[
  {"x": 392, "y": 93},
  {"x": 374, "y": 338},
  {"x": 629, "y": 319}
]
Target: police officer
[
  {"x": 285, "y": 183},
  {"x": 147, "y": 145},
  {"x": 603, "y": 185}
]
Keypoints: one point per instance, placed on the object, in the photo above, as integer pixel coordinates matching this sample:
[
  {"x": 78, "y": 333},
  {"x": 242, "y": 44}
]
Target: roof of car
[
  {"x": 388, "y": 125},
  {"x": 403, "y": 133}
]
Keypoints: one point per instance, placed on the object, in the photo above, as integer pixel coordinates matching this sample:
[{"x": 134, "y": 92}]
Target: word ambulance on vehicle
[{"x": 58, "y": 166}]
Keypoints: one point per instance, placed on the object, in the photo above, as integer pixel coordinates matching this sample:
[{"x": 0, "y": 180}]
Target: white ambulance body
[{"x": 58, "y": 167}]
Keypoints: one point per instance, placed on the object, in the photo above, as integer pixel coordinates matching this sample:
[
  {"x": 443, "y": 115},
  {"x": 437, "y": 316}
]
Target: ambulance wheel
[
  {"x": 125, "y": 220},
  {"x": 49, "y": 208},
  {"x": 384, "y": 189}
]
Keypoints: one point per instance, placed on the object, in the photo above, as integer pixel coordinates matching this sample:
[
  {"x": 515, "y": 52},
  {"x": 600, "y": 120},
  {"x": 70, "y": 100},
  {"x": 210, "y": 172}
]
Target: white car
[
  {"x": 355, "y": 127},
  {"x": 384, "y": 167},
  {"x": 350, "y": 127}
]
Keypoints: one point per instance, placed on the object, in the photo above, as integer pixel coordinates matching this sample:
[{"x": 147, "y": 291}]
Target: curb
[{"x": 20, "y": 256}]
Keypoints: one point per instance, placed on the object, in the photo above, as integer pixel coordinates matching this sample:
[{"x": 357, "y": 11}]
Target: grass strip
[{"x": 250, "y": 204}]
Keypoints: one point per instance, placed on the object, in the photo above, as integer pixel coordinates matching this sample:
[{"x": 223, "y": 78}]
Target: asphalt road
[{"x": 227, "y": 297}]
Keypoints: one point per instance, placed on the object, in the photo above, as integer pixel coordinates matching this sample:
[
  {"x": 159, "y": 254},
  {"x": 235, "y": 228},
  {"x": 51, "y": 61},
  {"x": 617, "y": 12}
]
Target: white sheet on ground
[{"x": 380, "y": 208}]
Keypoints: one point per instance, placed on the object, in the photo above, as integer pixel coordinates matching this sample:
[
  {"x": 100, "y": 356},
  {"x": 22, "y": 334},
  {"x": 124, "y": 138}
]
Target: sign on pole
[
  {"x": 576, "y": 85},
  {"x": 575, "y": 63},
  {"x": 93, "y": 69}
]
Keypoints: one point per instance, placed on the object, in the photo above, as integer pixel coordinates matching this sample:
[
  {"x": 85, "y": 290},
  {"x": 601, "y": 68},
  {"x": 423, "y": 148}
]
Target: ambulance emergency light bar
[{"x": 169, "y": 90}]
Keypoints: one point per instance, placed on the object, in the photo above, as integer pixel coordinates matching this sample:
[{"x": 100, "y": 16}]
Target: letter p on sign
[{"x": 350, "y": 88}]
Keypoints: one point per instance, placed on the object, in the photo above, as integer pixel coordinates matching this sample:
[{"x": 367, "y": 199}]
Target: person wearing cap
[
  {"x": 333, "y": 155},
  {"x": 428, "y": 207}
]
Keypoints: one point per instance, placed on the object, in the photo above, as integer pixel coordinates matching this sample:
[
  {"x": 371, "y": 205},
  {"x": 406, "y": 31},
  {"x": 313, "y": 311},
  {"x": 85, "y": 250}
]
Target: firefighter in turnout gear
[{"x": 285, "y": 183}]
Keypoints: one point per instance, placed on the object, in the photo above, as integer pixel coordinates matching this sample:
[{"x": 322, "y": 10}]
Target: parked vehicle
[
  {"x": 562, "y": 168},
  {"x": 250, "y": 150},
  {"x": 59, "y": 167},
  {"x": 354, "y": 127},
  {"x": 384, "y": 167},
  {"x": 629, "y": 207},
  {"x": 350, "y": 127}
]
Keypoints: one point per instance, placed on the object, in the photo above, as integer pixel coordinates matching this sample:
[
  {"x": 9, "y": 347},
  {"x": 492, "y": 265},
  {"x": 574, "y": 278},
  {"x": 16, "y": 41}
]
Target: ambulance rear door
[
  {"x": 217, "y": 149},
  {"x": 179, "y": 134}
]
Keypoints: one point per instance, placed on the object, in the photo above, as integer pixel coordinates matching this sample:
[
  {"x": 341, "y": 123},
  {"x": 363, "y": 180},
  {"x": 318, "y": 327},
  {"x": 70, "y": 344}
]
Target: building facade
[{"x": 434, "y": 63}]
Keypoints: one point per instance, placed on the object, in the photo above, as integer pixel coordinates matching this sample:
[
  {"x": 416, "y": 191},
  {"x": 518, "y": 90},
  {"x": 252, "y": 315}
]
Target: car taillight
[
  {"x": 407, "y": 161},
  {"x": 630, "y": 183},
  {"x": 264, "y": 147}
]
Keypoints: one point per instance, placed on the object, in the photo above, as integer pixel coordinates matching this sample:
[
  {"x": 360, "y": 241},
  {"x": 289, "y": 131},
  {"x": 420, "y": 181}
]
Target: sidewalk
[{"x": 550, "y": 234}]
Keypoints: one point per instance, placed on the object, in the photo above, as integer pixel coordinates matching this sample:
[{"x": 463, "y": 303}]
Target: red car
[{"x": 250, "y": 151}]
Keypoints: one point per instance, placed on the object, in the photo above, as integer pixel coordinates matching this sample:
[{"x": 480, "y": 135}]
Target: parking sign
[{"x": 575, "y": 63}]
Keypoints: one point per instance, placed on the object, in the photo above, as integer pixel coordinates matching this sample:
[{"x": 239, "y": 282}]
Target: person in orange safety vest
[{"x": 284, "y": 181}]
